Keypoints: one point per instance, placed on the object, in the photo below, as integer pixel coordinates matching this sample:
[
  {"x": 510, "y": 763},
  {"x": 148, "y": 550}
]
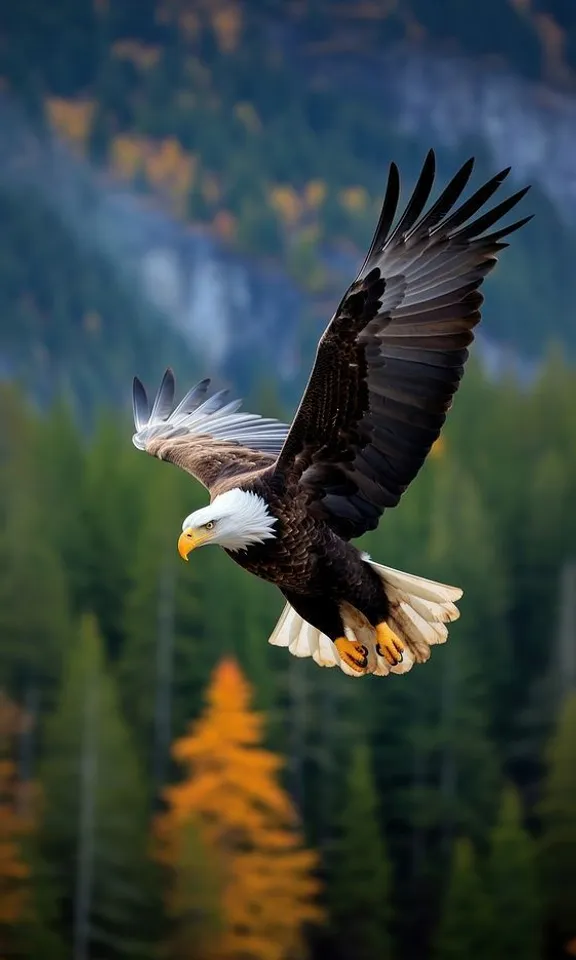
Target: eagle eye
[{"x": 209, "y": 525}]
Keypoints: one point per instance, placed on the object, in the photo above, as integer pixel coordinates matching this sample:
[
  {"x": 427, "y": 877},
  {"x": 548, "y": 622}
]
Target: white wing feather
[{"x": 196, "y": 416}]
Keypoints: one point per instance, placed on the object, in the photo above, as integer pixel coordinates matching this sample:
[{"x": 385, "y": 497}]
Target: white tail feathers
[{"x": 419, "y": 612}]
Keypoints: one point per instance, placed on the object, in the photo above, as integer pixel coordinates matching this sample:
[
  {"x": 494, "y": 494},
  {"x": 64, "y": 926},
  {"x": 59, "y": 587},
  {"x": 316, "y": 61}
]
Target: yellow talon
[
  {"x": 353, "y": 654},
  {"x": 389, "y": 645}
]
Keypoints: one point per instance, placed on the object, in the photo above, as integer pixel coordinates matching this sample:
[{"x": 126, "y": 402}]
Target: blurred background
[{"x": 194, "y": 183}]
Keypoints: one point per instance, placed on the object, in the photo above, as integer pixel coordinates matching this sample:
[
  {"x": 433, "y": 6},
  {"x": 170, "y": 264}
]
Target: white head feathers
[{"x": 240, "y": 518}]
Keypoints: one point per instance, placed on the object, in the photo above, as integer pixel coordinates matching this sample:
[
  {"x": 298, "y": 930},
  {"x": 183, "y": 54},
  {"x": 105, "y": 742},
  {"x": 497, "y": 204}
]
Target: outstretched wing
[
  {"x": 392, "y": 356},
  {"x": 206, "y": 436}
]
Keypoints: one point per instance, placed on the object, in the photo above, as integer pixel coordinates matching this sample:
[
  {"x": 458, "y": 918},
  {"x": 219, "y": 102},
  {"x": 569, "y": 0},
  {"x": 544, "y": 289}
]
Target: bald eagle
[{"x": 285, "y": 501}]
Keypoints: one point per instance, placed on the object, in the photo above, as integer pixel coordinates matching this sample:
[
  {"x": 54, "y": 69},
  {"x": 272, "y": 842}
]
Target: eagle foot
[
  {"x": 389, "y": 645},
  {"x": 355, "y": 655}
]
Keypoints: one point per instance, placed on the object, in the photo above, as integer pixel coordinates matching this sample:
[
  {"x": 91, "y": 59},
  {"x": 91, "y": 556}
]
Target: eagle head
[{"x": 234, "y": 520}]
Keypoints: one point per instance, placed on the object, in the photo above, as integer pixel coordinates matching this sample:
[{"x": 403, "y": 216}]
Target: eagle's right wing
[
  {"x": 206, "y": 436},
  {"x": 392, "y": 357}
]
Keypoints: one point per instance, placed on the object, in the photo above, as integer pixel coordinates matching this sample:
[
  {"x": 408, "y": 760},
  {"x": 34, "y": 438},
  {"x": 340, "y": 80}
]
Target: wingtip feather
[
  {"x": 201, "y": 416},
  {"x": 140, "y": 408}
]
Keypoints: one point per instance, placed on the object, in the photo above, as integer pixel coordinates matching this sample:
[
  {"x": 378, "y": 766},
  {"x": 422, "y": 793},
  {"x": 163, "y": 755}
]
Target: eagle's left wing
[
  {"x": 393, "y": 354},
  {"x": 206, "y": 436}
]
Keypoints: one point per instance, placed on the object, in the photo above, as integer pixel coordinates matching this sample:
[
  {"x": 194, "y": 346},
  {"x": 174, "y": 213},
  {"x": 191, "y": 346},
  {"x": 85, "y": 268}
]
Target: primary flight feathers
[{"x": 197, "y": 416}]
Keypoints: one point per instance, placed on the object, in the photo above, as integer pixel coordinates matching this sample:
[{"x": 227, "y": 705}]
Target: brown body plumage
[{"x": 385, "y": 373}]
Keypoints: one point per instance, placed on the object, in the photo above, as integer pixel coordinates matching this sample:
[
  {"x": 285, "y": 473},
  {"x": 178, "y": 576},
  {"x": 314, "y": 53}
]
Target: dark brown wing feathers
[{"x": 392, "y": 357}]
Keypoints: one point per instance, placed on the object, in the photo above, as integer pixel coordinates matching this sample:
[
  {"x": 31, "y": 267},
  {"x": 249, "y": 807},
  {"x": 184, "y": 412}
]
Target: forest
[
  {"x": 170, "y": 782},
  {"x": 171, "y": 786}
]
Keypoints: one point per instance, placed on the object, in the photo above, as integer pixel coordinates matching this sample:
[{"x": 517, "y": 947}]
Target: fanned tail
[{"x": 419, "y": 612}]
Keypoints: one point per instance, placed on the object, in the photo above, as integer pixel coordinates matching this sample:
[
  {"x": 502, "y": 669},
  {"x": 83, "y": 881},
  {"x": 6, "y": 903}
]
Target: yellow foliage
[
  {"x": 14, "y": 826},
  {"x": 227, "y": 23},
  {"x": 71, "y": 119},
  {"x": 225, "y": 225},
  {"x": 141, "y": 55},
  {"x": 165, "y": 164},
  {"x": 287, "y": 204},
  {"x": 354, "y": 199},
  {"x": 225, "y": 17},
  {"x": 438, "y": 448},
  {"x": 315, "y": 194},
  {"x": 127, "y": 155},
  {"x": 247, "y": 822}
]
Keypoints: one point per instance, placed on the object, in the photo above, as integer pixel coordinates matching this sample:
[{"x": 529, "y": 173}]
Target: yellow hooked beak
[{"x": 189, "y": 539}]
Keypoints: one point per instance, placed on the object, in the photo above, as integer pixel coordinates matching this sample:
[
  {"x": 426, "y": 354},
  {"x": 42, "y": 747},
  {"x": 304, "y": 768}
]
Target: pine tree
[
  {"x": 248, "y": 824},
  {"x": 558, "y": 845},
  {"x": 96, "y": 811},
  {"x": 463, "y": 550},
  {"x": 113, "y": 508},
  {"x": 61, "y": 453},
  {"x": 34, "y": 613},
  {"x": 513, "y": 887},
  {"x": 168, "y": 651},
  {"x": 359, "y": 900},
  {"x": 465, "y": 928}
]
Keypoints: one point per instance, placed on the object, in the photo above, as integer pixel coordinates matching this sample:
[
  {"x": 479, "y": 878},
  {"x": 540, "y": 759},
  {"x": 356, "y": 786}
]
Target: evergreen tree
[
  {"x": 168, "y": 647},
  {"x": 465, "y": 928},
  {"x": 462, "y": 549},
  {"x": 61, "y": 456},
  {"x": 558, "y": 844},
  {"x": 96, "y": 812},
  {"x": 247, "y": 822},
  {"x": 359, "y": 901},
  {"x": 113, "y": 508},
  {"x": 513, "y": 887},
  {"x": 34, "y": 613}
]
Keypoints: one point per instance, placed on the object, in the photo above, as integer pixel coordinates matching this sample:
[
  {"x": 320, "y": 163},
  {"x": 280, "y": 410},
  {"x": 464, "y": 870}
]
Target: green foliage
[
  {"x": 294, "y": 159},
  {"x": 34, "y": 612},
  {"x": 465, "y": 924},
  {"x": 96, "y": 809},
  {"x": 111, "y": 510},
  {"x": 92, "y": 519},
  {"x": 558, "y": 844},
  {"x": 513, "y": 886},
  {"x": 303, "y": 263},
  {"x": 360, "y": 894},
  {"x": 163, "y": 628},
  {"x": 69, "y": 320}
]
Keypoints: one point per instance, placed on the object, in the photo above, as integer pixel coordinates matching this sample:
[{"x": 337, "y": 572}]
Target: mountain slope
[{"x": 270, "y": 127}]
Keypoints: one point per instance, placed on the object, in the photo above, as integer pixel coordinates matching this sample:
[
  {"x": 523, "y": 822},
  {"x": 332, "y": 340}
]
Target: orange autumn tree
[
  {"x": 247, "y": 828},
  {"x": 14, "y": 826}
]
